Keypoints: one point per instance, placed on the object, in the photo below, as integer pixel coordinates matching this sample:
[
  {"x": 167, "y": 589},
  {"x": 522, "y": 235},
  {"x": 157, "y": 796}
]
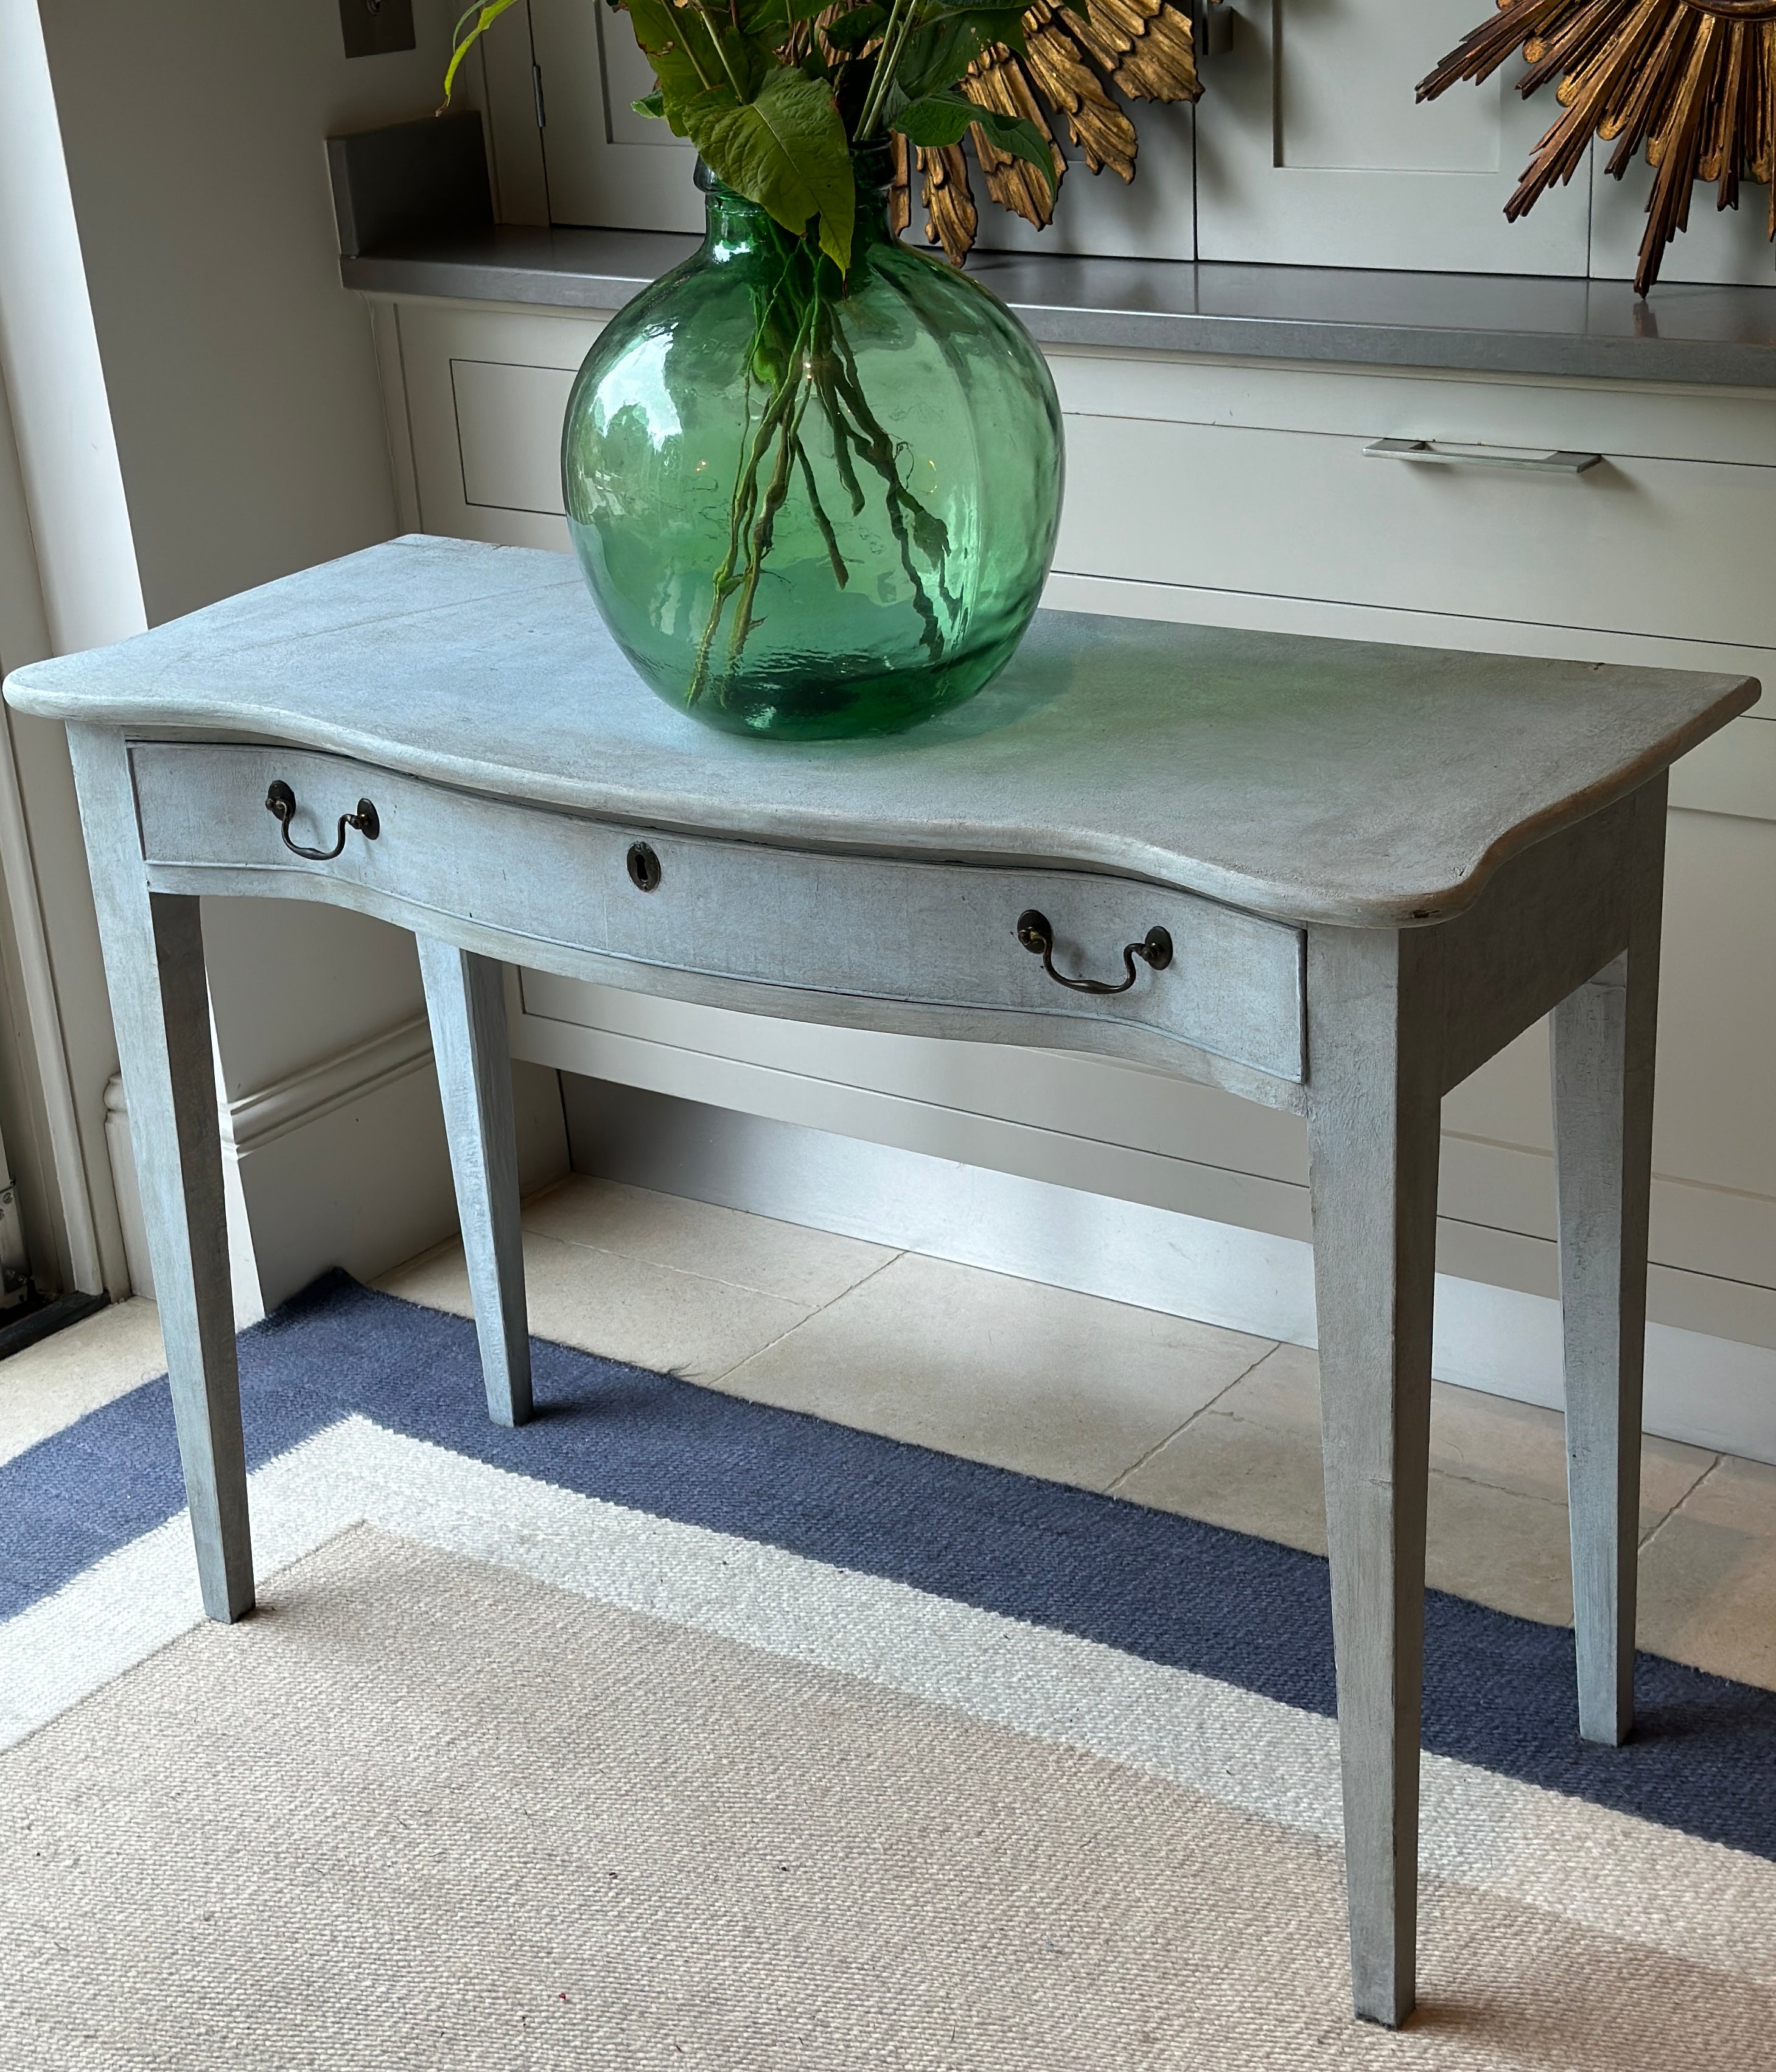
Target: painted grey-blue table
[{"x": 1330, "y": 878}]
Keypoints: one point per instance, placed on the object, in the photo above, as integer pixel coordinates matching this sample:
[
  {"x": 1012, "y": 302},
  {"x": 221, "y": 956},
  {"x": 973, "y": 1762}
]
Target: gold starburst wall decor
[
  {"x": 1694, "y": 80},
  {"x": 1143, "y": 49}
]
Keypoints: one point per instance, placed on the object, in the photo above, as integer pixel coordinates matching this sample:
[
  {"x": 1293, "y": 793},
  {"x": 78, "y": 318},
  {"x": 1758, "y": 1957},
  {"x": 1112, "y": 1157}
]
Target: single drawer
[
  {"x": 936, "y": 934},
  {"x": 1624, "y": 546}
]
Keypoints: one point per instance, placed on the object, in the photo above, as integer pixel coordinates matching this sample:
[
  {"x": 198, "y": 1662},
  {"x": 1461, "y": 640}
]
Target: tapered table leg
[
  {"x": 465, "y": 997},
  {"x": 1603, "y": 1041},
  {"x": 154, "y": 963},
  {"x": 1373, "y": 1125}
]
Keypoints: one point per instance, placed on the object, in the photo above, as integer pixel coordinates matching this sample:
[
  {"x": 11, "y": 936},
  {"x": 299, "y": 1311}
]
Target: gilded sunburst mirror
[
  {"x": 1693, "y": 80},
  {"x": 1069, "y": 76}
]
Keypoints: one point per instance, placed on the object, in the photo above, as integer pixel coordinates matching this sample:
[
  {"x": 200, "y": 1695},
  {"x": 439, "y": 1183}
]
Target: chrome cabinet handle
[
  {"x": 1561, "y": 462},
  {"x": 1154, "y": 950},
  {"x": 281, "y": 803}
]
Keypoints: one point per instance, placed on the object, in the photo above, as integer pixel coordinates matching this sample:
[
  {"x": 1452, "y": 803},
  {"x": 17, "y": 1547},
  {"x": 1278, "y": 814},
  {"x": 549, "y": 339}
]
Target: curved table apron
[{"x": 1330, "y": 879}]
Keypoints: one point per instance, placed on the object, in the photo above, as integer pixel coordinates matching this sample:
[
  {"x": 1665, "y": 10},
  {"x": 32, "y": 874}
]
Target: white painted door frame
[
  {"x": 23, "y": 637},
  {"x": 67, "y": 579}
]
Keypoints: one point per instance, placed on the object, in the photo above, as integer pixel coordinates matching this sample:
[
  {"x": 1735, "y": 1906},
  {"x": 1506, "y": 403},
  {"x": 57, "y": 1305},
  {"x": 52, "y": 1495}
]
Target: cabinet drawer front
[
  {"x": 937, "y": 934},
  {"x": 1624, "y": 546}
]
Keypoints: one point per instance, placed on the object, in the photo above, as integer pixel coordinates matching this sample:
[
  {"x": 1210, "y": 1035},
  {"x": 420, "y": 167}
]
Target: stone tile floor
[{"x": 1186, "y": 1417}]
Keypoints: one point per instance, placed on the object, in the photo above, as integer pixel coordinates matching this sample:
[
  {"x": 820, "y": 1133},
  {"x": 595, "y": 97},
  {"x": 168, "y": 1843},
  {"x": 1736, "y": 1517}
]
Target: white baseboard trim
[
  {"x": 127, "y": 1188},
  {"x": 1706, "y": 1391},
  {"x": 341, "y": 1164},
  {"x": 260, "y": 1118},
  {"x": 1085, "y": 1125}
]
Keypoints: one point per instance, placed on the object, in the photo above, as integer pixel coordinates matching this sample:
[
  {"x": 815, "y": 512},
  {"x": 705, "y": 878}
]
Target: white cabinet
[
  {"x": 1306, "y": 149},
  {"x": 1238, "y": 493},
  {"x": 486, "y": 390},
  {"x": 1312, "y": 151},
  {"x": 1153, "y": 217},
  {"x": 1720, "y": 244},
  {"x": 1281, "y": 459},
  {"x": 606, "y": 165}
]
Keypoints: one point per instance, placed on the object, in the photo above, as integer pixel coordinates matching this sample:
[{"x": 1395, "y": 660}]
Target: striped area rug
[{"x": 673, "y": 1729}]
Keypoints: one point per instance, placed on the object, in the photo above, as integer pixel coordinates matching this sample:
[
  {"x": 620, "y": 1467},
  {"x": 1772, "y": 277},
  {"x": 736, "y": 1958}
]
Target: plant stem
[
  {"x": 928, "y": 531},
  {"x": 803, "y": 358},
  {"x": 788, "y": 445},
  {"x": 740, "y": 92},
  {"x": 744, "y": 502},
  {"x": 842, "y": 575},
  {"x": 689, "y": 50},
  {"x": 745, "y": 486},
  {"x": 894, "y": 37},
  {"x": 824, "y": 360}
]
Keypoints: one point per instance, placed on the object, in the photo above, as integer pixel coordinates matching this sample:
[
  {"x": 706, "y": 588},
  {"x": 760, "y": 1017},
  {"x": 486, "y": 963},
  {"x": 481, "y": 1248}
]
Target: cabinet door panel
[
  {"x": 1312, "y": 151},
  {"x": 484, "y": 393},
  {"x": 508, "y": 423},
  {"x": 1153, "y": 217},
  {"x": 607, "y": 166}
]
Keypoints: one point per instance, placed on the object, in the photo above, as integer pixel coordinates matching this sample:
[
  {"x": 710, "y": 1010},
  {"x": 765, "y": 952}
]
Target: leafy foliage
[
  {"x": 786, "y": 149},
  {"x": 934, "y": 120},
  {"x": 472, "y": 26},
  {"x": 776, "y": 94}
]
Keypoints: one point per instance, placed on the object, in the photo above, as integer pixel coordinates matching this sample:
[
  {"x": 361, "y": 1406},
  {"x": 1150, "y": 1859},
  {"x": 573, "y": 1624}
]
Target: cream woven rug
[
  {"x": 425, "y": 1813},
  {"x": 505, "y": 1774}
]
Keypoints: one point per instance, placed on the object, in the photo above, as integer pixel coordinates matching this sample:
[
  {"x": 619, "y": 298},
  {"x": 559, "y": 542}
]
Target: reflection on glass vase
[{"x": 809, "y": 504}]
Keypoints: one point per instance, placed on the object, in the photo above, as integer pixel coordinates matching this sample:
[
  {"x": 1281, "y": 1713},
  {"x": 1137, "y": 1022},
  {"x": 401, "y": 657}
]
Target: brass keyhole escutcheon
[{"x": 643, "y": 867}]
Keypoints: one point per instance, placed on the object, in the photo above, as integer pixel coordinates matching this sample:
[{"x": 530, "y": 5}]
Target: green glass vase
[{"x": 813, "y": 505}]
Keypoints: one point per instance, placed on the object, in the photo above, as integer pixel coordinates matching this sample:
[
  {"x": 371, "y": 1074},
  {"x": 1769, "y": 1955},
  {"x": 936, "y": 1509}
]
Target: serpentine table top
[{"x": 1313, "y": 780}]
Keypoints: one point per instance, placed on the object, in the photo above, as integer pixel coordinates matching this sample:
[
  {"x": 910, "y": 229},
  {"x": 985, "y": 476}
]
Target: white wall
[
  {"x": 242, "y": 384},
  {"x": 249, "y": 429}
]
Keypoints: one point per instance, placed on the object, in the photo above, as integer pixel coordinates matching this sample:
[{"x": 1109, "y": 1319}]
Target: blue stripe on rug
[{"x": 1498, "y": 1689}]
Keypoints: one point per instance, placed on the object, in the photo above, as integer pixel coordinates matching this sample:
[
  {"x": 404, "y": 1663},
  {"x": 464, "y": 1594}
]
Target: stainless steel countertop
[{"x": 1479, "y": 323}]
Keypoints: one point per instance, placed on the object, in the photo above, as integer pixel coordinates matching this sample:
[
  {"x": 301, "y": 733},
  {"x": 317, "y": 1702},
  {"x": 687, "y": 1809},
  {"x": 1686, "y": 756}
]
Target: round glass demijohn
[{"x": 813, "y": 505}]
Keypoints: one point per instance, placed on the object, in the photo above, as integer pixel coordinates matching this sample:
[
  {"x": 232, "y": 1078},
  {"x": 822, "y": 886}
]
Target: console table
[{"x": 1331, "y": 877}]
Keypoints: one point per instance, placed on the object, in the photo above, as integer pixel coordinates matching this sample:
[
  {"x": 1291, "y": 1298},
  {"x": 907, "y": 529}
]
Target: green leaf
[
  {"x": 482, "y": 19},
  {"x": 785, "y": 149},
  {"x": 855, "y": 25},
  {"x": 650, "y": 104},
  {"x": 766, "y": 22},
  {"x": 1022, "y": 138},
  {"x": 1004, "y": 14},
  {"x": 736, "y": 40},
  {"x": 935, "y": 120},
  {"x": 660, "y": 29},
  {"x": 946, "y": 44}
]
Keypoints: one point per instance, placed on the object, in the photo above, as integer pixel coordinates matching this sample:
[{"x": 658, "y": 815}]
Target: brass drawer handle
[
  {"x": 1154, "y": 950},
  {"x": 281, "y": 803}
]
